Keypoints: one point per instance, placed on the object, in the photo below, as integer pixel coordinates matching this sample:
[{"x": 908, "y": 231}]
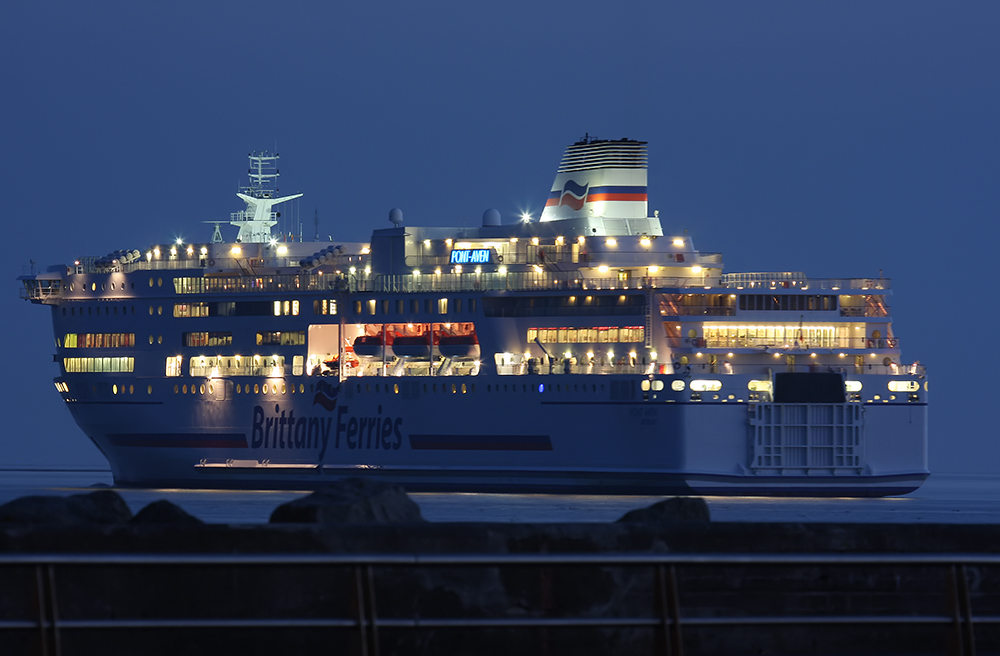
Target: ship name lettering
[
  {"x": 289, "y": 432},
  {"x": 368, "y": 432}
]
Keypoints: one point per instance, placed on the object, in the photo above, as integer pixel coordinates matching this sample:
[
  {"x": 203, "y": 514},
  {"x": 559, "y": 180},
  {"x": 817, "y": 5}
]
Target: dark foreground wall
[{"x": 781, "y": 606}]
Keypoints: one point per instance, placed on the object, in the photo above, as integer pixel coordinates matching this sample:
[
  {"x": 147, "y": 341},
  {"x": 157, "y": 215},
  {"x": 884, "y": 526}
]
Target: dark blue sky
[{"x": 835, "y": 138}]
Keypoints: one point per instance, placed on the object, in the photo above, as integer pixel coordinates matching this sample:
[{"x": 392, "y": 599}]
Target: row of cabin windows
[
  {"x": 463, "y": 388},
  {"x": 264, "y": 338},
  {"x": 104, "y": 286},
  {"x": 109, "y": 309},
  {"x": 97, "y": 340},
  {"x": 373, "y": 307},
  {"x": 602, "y": 335},
  {"x": 787, "y": 302}
]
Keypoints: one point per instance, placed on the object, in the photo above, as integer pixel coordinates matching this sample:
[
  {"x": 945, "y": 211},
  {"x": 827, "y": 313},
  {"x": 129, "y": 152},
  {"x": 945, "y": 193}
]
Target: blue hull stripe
[
  {"x": 481, "y": 442},
  {"x": 181, "y": 440}
]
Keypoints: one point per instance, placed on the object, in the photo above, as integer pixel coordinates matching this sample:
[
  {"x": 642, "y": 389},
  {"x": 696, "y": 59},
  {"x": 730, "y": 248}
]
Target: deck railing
[{"x": 877, "y": 599}]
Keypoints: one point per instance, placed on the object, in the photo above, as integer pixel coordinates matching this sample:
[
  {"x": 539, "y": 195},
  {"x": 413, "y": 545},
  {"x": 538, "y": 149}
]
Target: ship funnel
[{"x": 600, "y": 178}]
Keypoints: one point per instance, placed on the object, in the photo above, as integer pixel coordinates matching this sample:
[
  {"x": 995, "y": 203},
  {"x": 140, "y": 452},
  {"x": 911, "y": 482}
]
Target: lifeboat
[
  {"x": 411, "y": 347},
  {"x": 370, "y": 346},
  {"x": 459, "y": 346}
]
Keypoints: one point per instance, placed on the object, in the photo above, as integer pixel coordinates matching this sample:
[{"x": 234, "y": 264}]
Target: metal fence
[{"x": 668, "y": 617}]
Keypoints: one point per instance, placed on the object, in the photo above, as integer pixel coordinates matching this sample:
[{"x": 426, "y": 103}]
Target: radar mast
[{"x": 256, "y": 221}]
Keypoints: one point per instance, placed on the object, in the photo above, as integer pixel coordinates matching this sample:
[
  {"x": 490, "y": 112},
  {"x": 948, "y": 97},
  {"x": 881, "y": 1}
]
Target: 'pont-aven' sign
[{"x": 470, "y": 256}]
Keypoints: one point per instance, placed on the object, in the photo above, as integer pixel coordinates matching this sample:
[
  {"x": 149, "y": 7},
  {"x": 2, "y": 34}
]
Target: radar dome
[
  {"x": 491, "y": 217},
  {"x": 396, "y": 216}
]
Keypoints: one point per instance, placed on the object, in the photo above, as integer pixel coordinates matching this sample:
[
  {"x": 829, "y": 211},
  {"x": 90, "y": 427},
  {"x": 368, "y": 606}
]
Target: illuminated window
[
  {"x": 903, "y": 386},
  {"x": 759, "y": 386},
  {"x": 298, "y": 365},
  {"x": 185, "y": 310},
  {"x": 281, "y": 338},
  {"x": 324, "y": 307},
  {"x": 442, "y": 306},
  {"x": 677, "y": 385},
  {"x": 706, "y": 385},
  {"x": 173, "y": 367},
  {"x": 98, "y": 365},
  {"x": 852, "y": 385},
  {"x": 207, "y": 339}
]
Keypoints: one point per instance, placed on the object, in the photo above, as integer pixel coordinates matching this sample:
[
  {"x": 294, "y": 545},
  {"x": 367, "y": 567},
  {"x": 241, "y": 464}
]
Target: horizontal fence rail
[{"x": 670, "y": 615}]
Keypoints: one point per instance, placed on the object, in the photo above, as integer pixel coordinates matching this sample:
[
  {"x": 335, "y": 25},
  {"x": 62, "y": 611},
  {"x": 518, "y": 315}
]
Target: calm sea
[{"x": 945, "y": 498}]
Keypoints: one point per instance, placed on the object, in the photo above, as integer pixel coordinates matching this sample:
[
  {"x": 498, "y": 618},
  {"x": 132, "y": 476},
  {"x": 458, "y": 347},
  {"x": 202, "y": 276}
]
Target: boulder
[
  {"x": 674, "y": 509},
  {"x": 351, "y": 501},
  {"x": 164, "y": 512},
  {"x": 103, "y": 507}
]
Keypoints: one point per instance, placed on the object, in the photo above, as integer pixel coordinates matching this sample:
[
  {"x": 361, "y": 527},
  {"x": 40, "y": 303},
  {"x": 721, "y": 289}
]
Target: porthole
[
  {"x": 112, "y": 286},
  {"x": 93, "y": 286},
  {"x": 175, "y": 389},
  {"x": 150, "y": 339},
  {"x": 159, "y": 282},
  {"x": 211, "y": 388},
  {"x": 159, "y": 339},
  {"x": 104, "y": 287},
  {"x": 282, "y": 388},
  {"x": 131, "y": 389},
  {"x": 453, "y": 388},
  {"x": 184, "y": 390},
  {"x": 201, "y": 389},
  {"x": 150, "y": 310},
  {"x": 150, "y": 282},
  {"x": 463, "y": 388},
  {"x": 302, "y": 389},
  {"x": 274, "y": 389},
  {"x": 159, "y": 309},
  {"x": 677, "y": 385},
  {"x": 395, "y": 389},
  {"x": 255, "y": 389},
  {"x": 114, "y": 389},
  {"x": 149, "y": 389}
]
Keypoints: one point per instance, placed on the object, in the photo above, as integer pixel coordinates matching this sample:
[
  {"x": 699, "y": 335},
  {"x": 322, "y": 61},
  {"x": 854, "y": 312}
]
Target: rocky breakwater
[{"x": 334, "y": 571}]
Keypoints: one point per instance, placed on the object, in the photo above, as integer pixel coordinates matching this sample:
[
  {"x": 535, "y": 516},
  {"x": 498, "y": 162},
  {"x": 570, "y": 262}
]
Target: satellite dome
[
  {"x": 491, "y": 217},
  {"x": 396, "y": 216}
]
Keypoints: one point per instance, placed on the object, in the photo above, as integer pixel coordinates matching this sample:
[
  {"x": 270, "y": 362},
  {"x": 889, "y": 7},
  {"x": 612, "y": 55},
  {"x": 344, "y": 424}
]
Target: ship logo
[
  {"x": 326, "y": 395},
  {"x": 574, "y": 195}
]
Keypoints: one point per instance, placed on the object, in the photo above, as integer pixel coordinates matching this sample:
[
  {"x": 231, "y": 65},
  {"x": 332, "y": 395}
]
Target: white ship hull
[{"x": 489, "y": 439}]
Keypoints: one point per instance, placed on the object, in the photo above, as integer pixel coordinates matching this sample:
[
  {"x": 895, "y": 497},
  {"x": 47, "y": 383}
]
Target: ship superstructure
[{"x": 586, "y": 351}]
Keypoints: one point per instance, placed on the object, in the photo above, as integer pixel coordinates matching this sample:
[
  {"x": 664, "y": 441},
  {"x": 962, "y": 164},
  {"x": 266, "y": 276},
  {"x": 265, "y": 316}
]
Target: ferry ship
[{"x": 587, "y": 351}]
